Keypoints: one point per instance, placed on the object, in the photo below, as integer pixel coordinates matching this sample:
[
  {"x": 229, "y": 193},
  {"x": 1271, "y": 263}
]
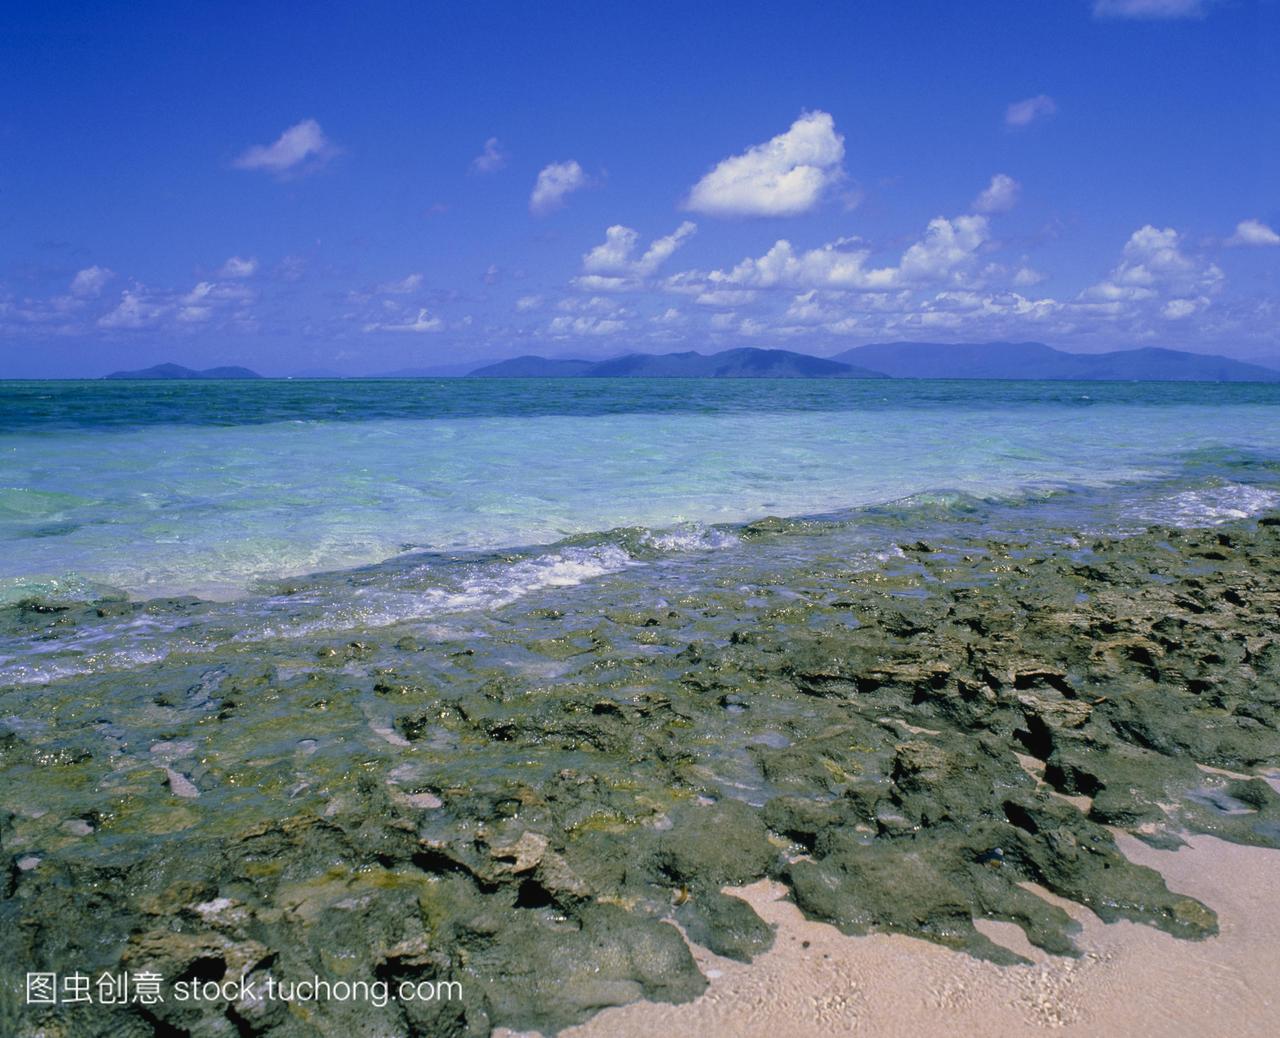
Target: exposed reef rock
[{"x": 532, "y": 812}]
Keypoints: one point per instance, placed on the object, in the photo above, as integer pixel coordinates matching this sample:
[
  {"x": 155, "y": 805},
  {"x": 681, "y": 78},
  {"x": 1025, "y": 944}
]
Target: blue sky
[{"x": 408, "y": 185}]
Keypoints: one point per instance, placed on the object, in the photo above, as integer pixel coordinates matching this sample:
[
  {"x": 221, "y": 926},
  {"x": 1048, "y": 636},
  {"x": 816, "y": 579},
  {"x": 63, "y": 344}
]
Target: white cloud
[
  {"x": 970, "y": 305},
  {"x": 616, "y": 254},
  {"x": 593, "y": 305},
  {"x": 423, "y": 322},
  {"x": 1024, "y": 113},
  {"x": 300, "y": 149},
  {"x": 947, "y": 246},
  {"x": 407, "y": 285},
  {"x": 1248, "y": 232},
  {"x": 828, "y": 266},
  {"x": 1177, "y": 309},
  {"x": 660, "y": 250},
  {"x": 194, "y": 314},
  {"x": 526, "y": 303},
  {"x": 134, "y": 310},
  {"x": 142, "y": 307},
  {"x": 724, "y": 297},
  {"x": 90, "y": 281},
  {"x": 199, "y": 293},
  {"x": 585, "y": 325},
  {"x": 946, "y": 250},
  {"x": 810, "y": 308},
  {"x": 491, "y": 159},
  {"x": 1153, "y": 266},
  {"x": 553, "y": 184},
  {"x": 1026, "y": 276},
  {"x": 237, "y": 267},
  {"x": 1000, "y": 195},
  {"x": 782, "y": 177},
  {"x": 1148, "y": 9}
]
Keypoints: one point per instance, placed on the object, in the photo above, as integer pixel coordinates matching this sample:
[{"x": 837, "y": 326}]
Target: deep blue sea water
[{"x": 205, "y": 488}]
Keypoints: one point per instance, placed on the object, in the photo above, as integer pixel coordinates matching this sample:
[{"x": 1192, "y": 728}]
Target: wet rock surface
[{"x": 531, "y": 805}]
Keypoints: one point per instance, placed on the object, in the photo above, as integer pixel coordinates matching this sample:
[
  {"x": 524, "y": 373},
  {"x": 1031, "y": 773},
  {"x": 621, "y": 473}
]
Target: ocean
[{"x": 417, "y": 500}]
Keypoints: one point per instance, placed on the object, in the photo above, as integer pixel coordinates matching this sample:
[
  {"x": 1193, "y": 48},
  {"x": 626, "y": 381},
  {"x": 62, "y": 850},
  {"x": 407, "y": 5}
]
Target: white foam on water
[
  {"x": 693, "y": 537},
  {"x": 1210, "y": 506},
  {"x": 487, "y": 587}
]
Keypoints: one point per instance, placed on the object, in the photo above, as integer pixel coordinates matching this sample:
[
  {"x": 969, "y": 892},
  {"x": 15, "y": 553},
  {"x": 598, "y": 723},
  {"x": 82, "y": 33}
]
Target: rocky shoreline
[{"x": 528, "y": 812}]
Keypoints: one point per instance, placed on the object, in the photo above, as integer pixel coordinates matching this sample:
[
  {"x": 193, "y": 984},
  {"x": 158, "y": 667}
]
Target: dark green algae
[{"x": 529, "y": 811}]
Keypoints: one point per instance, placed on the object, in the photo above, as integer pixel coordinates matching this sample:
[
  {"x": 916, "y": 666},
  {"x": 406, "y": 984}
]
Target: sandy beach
[{"x": 1130, "y": 979}]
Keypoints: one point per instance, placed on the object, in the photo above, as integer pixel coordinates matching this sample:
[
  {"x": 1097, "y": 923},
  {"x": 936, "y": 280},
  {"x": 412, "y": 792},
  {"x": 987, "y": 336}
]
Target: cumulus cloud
[
  {"x": 143, "y": 307},
  {"x": 1149, "y": 9},
  {"x": 134, "y": 310},
  {"x": 660, "y": 250},
  {"x": 592, "y": 305},
  {"x": 616, "y": 254},
  {"x": 90, "y": 282},
  {"x": 1154, "y": 266},
  {"x": 785, "y": 176},
  {"x": 195, "y": 307},
  {"x": 302, "y": 148},
  {"x": 565, "y": 326},
  {"x": 1000, "y": 195},
  {"x": 724, "y": 296},
  {"x": 491, "y": 158},
  {"x": 423, "y": 322},
  {"x": 947, "y": 246},
  {"x": 945, "y": 252},
  {"x": 813, "y": 308},
  {"x": 526, "y": 303},
  {"x": 1160, "y": 289},
  {"x": 831, "y": 265},
  {"x": 1025, "y": 112},
  {"x": 1253, "y": 232},
  {"x": 1177, "y": 309},
  {"x": 553, "y": 184},
  {"x": 238, "y": 267}
]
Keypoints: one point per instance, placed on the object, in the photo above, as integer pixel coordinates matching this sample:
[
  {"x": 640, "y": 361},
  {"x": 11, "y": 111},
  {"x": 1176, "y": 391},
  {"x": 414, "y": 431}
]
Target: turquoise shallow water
[
  {"x": 320, "y": 509},
  {"x": 211, "y": 488}
]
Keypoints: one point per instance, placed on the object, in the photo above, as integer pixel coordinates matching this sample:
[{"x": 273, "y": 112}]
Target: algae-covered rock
[
  {"x": 727, "y": 925},
  {"x": 723, "y": 844},
  {"x": 528, "y": 802},
  {"x": 548, "y": 977}
]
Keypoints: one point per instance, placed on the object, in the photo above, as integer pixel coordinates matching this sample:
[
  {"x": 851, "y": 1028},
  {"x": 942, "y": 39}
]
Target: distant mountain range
[
  {"x": 177, "y": 371},
  {"x": 988, "y": 360},
  {"x": 991, "y": 360},
  {"x": 740, "y": 363},
  {"x": 1034, "y": 360}
]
